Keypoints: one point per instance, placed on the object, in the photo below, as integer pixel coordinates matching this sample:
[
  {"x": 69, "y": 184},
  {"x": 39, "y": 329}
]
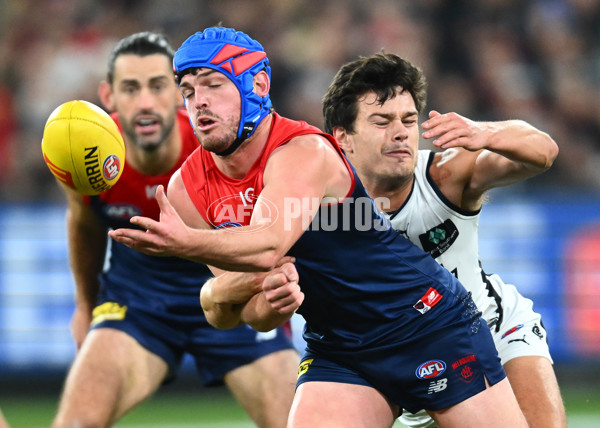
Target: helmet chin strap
[{"x": 247, "y": 130}]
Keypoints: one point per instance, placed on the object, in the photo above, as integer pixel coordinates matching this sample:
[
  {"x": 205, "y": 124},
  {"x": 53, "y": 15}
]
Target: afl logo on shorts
[
  {"x": 111, "y": 167},
  {"x": 431, "y": 369}
]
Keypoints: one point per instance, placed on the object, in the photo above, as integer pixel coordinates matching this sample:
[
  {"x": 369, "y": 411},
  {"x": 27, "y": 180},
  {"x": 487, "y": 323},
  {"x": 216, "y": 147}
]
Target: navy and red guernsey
[
  {"x": 379, "y": 310},
  {"x": 368, "y": 273}
]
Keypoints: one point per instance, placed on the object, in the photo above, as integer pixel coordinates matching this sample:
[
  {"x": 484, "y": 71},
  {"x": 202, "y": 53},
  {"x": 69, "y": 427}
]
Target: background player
[
  {"x": 145, "y": 311},
  {"x": 377, "y": 337},
  {"x": 435, "y": 199}
]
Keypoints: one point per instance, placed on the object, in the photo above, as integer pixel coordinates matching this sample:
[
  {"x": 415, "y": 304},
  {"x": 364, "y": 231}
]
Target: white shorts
[{"x": 521, "y": 334}]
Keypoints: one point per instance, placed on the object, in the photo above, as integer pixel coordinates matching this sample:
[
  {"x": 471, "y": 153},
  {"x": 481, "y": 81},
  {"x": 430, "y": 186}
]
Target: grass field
[{"x": 215, "y": 408}]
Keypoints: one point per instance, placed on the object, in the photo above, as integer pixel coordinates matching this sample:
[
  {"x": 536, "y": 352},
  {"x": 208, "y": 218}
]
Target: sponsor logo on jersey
[
  {"x": 512, "y": 330},
  {"x": 466, "y": 368},
  {"x": 109, "y": 311},
  {"x": 437, "y": 386},
  {"x": 439, "y": 238},
  {"x": 430, "y": 369},
  {"x": 304, "y": 365},
  {"x": 121, "y": 211},
  {"x": 428, "y": 301}
]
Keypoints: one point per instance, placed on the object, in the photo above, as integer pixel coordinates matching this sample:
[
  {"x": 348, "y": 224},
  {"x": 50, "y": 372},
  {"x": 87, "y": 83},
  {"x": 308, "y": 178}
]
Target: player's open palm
[{"x": 453, "y": 130}]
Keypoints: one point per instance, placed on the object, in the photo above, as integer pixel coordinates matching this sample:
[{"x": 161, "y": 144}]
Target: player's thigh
[
  {"x": 495, "y": 407},
  {"x": 265, "y": 387},
  {"x": 536, "y": 388},
  {"x": 111, "y": 373},
  {"x": 336, "y": 404}
]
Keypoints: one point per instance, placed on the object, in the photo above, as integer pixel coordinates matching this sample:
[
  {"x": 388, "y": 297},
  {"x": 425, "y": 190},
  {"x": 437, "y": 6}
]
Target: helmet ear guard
[{"x": 240, "y": 58}]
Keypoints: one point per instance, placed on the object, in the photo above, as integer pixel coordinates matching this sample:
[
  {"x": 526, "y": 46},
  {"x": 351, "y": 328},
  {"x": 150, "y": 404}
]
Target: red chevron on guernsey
[{"x": 240, "y": 61}]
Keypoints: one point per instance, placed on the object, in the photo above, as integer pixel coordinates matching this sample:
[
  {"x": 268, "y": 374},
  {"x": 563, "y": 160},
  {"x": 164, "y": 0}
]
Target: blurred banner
[{"x": 548, "y": 247}]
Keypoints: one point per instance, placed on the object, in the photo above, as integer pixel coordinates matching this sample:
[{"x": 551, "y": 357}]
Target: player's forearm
[
  {"x": 87, "y": 246},
  {"x": 519, "y": 141},
  {"x": 240, "y": 250},
  {"x": 234, "y": 298},
  {"x": 259, "y": 314}
]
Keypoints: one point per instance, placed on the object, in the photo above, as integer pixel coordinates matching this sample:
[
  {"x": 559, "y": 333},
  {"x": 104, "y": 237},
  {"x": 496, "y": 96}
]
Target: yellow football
[{"x": 83, "y": 148}]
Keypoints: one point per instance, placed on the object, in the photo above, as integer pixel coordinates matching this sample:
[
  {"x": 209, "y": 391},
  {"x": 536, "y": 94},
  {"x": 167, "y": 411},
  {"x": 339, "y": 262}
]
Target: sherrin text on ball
[{"x": 83, "y": 148}]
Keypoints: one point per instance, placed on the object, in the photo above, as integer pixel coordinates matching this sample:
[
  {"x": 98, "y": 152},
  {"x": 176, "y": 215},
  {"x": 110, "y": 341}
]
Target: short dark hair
[
  {"x": 383, "y": 74},
  {"x": 142, "y": 44}
]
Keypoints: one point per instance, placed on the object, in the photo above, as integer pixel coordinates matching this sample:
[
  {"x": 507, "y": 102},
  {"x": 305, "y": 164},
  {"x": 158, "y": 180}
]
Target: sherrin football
[{"x": 83, "y": 147}]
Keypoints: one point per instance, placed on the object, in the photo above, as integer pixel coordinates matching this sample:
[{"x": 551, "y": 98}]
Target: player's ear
[
  {"x": 262, "y": 84},
  {"x": 106, "y": 95},
  {"x": 343, "y": 138}
]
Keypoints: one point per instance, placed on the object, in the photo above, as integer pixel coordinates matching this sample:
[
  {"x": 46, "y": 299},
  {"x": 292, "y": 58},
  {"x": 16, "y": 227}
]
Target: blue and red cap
[{"x": 240, "y": 58}]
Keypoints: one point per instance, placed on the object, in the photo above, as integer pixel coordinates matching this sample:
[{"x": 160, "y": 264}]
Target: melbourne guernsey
[{"x": 364, "y": 283}]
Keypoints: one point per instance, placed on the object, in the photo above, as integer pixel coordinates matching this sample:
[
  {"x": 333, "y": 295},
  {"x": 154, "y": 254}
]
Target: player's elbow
[
  {"x": 221, "y": 316},
  {"x": 264, "y": 325},
  {"x": 267, "y": 259},
  {"x": 222, "y": 323}
]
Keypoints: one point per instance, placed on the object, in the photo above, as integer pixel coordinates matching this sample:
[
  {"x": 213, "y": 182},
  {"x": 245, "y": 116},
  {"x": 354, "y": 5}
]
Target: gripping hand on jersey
[{"x": 167, "y": 237}]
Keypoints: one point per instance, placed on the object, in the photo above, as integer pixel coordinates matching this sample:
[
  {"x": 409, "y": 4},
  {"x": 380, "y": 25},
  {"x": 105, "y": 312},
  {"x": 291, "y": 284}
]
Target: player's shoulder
[{"x": 451, "y": 164}]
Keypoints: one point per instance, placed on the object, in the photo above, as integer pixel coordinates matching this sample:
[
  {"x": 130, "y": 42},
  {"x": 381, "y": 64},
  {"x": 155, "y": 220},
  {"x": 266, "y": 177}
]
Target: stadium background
[{"x": 538, "y": 60}]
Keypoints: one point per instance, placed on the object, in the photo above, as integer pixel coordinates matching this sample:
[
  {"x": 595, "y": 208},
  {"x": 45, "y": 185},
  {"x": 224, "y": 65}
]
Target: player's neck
[
  {"x": 390, "y": 197},
  {"x": 237, "y": 164}
]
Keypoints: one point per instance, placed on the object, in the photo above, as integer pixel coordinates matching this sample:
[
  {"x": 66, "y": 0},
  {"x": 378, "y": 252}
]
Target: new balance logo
[{"x": 437, "y": 386}]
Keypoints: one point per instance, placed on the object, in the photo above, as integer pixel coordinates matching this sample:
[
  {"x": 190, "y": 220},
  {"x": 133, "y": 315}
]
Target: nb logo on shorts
[
  {"x": 437, "y": 386},
  {"x": 303, "y": 368},
  {"x": 109, "y": 311}
]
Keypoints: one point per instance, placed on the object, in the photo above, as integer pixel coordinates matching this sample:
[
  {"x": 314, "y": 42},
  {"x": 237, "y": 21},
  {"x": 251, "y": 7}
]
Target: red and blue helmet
[{"x": 240, "y": 58}]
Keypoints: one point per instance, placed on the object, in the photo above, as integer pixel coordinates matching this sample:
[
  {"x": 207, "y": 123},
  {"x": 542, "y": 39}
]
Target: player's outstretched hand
[
  {"x": 282, "y": 290},
  {"x": 167, "y": 237},
  {"x": 454, "y": 130}
]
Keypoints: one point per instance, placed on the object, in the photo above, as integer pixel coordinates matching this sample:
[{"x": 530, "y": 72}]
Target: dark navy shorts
[
  {"x": 432, "y": 372},
  {"x": 179, "y": 330}
]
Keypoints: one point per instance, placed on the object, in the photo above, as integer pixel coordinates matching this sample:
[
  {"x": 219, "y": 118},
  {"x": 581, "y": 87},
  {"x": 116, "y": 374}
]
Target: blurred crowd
[{"x": 537, "y": 60}]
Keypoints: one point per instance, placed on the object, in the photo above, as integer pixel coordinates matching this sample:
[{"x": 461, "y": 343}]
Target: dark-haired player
[
  {"x": 145, "y": 311},
  {"x": 386, "y": 326},
  {"x": 372, "y": 107}
]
